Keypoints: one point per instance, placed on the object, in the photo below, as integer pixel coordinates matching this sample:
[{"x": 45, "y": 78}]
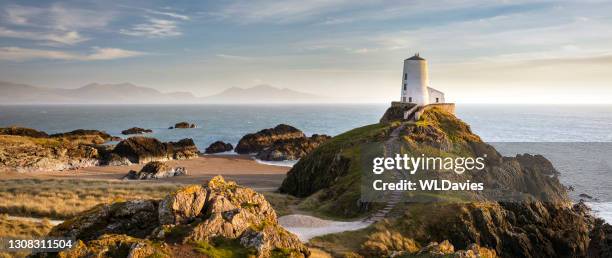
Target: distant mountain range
[{"x": 126, "y": 93}]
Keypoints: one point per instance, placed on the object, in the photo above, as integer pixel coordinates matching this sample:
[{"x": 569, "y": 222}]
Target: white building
[{"x": 415, "y": 83}]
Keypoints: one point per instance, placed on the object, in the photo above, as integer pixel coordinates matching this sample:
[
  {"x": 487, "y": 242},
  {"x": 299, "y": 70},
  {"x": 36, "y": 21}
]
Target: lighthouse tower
[{"x": 415, "y": 81}]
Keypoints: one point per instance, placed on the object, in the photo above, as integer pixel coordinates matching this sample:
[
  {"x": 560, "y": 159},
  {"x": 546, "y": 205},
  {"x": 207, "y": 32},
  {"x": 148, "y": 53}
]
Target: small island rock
[
  {"x": 141, "y": 150},
  {"x": 136, "y": 130},
  {"x": 255, "y": 142},
  {"x": 218, "y": 146},
  {"x": 183, "y": 125}
]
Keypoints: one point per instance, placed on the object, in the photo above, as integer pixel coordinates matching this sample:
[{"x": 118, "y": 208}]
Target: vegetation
[
  {"x": 334, "y": 169},
  {"x": 22, "y": 229},
  {"x": 62, "y": 199},
  {"x": 223, "y": 248},
  {"x": 283, "y": 204}
]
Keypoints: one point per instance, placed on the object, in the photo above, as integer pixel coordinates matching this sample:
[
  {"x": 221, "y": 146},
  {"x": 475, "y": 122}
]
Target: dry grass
[
  {"x": 62, "y": 199},
  {"x": 21, "y": 229}
]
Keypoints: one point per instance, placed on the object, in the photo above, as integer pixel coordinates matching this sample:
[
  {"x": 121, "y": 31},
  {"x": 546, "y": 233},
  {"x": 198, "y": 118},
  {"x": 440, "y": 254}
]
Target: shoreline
[{"x": 241, "y": 168}]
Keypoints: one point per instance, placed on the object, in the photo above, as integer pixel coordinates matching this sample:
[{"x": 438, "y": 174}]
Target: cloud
[
  {"x": 24, "y": 54},
  {"x": 67, "y": 38},
  {"x": 170, "y": 14},
  {"x": 55, "y": 25},
  {"x": 154, "y": 28},
  {"x": 278, "y": 11},
  {"x": 58, "y": 17}
]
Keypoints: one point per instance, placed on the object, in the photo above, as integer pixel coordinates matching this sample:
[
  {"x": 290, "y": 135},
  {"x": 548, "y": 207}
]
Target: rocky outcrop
[
  {"x": 218, "y": 147},
  {"x": 194, "y": 214},
  {"x": 601, "y": 239},
  {"x": 292, "y": 149},
  {"x": 156, "y": 170},
  {"x": 255, "y": 142},
  {"x": 23, "y": 131},
  {"x": 524, "y": 210},
  {"x": 20, "y": 153},
  {"x": 83, "y": 136},
  {"x": 141, "y": 150},
  {"x": 182, "y": 125},
  {"x": 136, "y": 130}
]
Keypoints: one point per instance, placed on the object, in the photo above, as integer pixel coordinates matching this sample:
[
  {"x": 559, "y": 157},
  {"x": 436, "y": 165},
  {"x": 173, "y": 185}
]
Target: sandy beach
[{"x": 240, "y": 168}]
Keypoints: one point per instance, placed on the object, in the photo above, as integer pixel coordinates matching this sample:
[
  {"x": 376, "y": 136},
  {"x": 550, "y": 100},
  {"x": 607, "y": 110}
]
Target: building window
[
  {"x": 437, "y": 100},
  {"x": 403, "y": 99},
  {"x": 404, "y": 86},
  {"x": 410, "y": 99},
  {"x": 405, "y": 76}
]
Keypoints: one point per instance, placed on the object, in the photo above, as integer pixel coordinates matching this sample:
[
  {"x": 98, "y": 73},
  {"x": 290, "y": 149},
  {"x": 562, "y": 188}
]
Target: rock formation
[
  {"x": 539, "y": 222},
  {"x": 255, "y": 142},
  {"x": 156, "y": 170},
  {"x": 136, "y": 130},
  {"x": 282, "y": 142},
  {"x": 86, "y": 136},
  {"x": 141, "y": 150},
  {"x": 22, "y": 153},
  {"x": 79, "y": 136},
  {"x": 182, "y": 125},
  {"x": 292, "y": 149},
  {"x": 218, "y": 147},
  {"x": 23, "y": 131},
  {"x": 220, "y": 212}
]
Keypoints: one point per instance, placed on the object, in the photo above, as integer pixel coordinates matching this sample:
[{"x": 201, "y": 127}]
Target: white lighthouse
[{"x": 415, "y": 83}]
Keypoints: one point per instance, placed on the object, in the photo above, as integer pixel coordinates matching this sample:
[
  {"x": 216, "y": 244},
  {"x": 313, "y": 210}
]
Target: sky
[{"x": 351, "y": 51}]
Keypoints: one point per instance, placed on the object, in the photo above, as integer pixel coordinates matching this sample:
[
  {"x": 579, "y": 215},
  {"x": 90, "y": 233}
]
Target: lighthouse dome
[{"x": 416, "y": 57}]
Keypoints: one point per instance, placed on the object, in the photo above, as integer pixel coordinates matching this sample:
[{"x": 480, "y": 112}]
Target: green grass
[
  {"x": 282, "y": 203},
  {"x": 223, "y": 248}
]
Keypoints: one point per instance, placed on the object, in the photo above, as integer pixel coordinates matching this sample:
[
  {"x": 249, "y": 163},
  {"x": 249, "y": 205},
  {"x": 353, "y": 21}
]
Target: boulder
[
  {"x": 255, "y": 142},
  {"x": 141, "y": 150},
  {"x": 218, "y": 146},
  {"x": 235, "y": 212},
  {"x": 136, "y": 130},
  {"x": 156, "y": 170},
  {"x": 183, "y": 125},
  {"x": 183, "y": 206},
  {"x": 292, "y": 149},
  {"x": 23, "y": 131}
]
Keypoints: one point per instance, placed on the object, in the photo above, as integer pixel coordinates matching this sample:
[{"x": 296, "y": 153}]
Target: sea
[{"x": 576, "y": 138}]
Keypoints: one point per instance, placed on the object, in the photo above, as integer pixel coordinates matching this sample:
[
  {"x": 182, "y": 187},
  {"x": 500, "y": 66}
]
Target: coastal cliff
[{"x": 541, "y": 223}]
